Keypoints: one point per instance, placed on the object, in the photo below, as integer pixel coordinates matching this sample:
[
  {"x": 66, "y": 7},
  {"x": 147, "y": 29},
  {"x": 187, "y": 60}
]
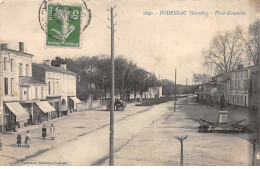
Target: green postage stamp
[{"x": 63, "y": 25}]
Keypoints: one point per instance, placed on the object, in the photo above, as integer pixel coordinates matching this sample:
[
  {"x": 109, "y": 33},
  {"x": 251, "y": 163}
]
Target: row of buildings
[
  {"x": 32, "y": 93},
  {"x": 239, "y": 87}
]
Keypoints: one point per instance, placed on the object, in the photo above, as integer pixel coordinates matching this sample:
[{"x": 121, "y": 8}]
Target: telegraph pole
[
  {"x": 186, "y": 91},
  {"x": 258, "y": 58},
  {"x": 123, "y": 86},
  {"x": 175, "y": 99},
  {"x": 253, "y": 142},
  {"x": 111, "y": 136},
  {"x": 1, "y": 91}
]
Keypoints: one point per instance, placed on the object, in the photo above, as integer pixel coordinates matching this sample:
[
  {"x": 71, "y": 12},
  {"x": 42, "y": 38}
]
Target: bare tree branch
[{"x": 225, "y": 51}]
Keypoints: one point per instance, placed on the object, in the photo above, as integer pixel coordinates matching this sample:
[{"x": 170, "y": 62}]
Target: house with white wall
[
  {"x": 61, "y": 86},
  {"x": 19, "y": 91}
]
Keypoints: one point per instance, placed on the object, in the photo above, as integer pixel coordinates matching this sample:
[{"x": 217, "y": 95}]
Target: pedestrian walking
[
  {"x": 1, "y": 145},
  {"x": 28, "y": 139},
  {"x": 52, "y": 131},
  {"x": 44, "y": 130},
  {"x": 19, "y": 140}
]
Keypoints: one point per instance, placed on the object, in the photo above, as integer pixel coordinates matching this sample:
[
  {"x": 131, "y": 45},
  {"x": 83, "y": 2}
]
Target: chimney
[
  {"x": 63, "y": 66},
  {"x": 241, "y": 66},
  {"x": 47, "y": 62},
  {"x": 21, "y": 47},
  {"x": 4, "y": 46}
]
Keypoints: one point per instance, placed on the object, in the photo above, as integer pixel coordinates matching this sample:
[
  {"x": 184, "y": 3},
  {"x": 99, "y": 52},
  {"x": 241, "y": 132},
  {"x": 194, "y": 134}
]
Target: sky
[{"x": 158, "y": 43}]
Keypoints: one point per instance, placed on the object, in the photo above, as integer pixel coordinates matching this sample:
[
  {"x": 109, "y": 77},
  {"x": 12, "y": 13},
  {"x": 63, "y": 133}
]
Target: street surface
[
  {"x": 67, "y": 128},
  {"x": 143, "y": 136}
]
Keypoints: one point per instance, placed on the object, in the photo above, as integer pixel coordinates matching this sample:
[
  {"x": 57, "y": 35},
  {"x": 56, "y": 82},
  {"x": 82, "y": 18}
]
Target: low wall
[{"x": 86, "y": 105}]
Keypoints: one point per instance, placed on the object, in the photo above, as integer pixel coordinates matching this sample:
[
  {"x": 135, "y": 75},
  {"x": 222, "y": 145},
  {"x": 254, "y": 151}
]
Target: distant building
[
  {"x": 254, "y": 89},
  {"x": 153, "y": 92},
  {"x": 61, "y": 87},
  {"x": 237, "y": 86},
  {"x": 207, "y": 92},
  {"x": 233, "y": 85}
]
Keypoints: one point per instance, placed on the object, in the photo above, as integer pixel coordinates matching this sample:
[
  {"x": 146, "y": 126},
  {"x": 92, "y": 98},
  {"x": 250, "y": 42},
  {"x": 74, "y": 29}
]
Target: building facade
[
  {"x": 237, "y": 86},
  {"x": 28, "y": 97},
  {"x": 153, "y": 92},
  {"x": 207, "y": 92},
  {"x": 20, "y": 91},
  {"x": 61, "y": 87},
  {"x": 233, "y": 85},
  {"x": 254, "y": 89}
]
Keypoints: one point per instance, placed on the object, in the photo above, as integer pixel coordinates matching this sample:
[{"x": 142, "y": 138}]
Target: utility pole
[
  {"x": 123, "y": 86},
  {"x": 111, "y": 136},
  {"x": 186, "y": 92},
  {"x": 193, "y": 91},
  {"x": 2, "y": 113},
  {"x": 253, "y": 142},
  {"x": 258, "y": 59},
  {"x": 175, "y": 98},
  {"x": 181, "y": 141}
]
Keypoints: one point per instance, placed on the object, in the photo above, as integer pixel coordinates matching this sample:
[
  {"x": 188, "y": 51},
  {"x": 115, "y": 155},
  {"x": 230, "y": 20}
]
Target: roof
[
  {"x": 29, "y": 80},
  {"x": 256, "y": 68},
  {"x": 243, "y": 69},
  {"x": 17, "y": 52},
  {"x": 256, "y": 71},
  {"x": 55, "y": 69}
]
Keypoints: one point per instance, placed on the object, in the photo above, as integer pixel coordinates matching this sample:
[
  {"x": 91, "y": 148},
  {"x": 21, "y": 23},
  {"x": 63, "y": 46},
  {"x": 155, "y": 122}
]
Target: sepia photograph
[{"x": 129, "y": 83}]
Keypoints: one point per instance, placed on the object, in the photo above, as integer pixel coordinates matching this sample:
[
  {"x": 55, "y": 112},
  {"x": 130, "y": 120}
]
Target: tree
[
  {"x": 200, "y": 78},
  {"x": 95, "y": 76},
  {"x": 138, "y": 79},
  {"x": 58, "y": 60},
  {"x": 120, "y": 74},
  {"x": 224, "y": 52},
  {"x": 251, "y": 41},
  {"x": 167, "y": 87},
  {"x": 128, "y": 86}
]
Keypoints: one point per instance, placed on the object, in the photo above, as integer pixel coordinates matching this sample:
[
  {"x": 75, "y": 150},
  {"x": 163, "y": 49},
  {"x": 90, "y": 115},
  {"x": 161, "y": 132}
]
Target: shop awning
[
  {"x": 45, "y": 106},
  {"x": 75, "y": 99},
  {"x": 18, "y": 110}
]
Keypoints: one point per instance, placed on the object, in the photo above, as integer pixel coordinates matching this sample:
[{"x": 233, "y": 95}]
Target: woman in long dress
[
  {"x": 52, "y": 131},
  {"x": 28, "y": 139}
]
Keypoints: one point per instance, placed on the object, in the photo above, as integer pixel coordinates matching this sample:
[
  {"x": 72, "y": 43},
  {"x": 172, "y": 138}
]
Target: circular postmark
[{"x": 63, "y": 22}]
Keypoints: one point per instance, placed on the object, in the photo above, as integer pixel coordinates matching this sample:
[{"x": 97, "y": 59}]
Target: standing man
[
  {"x": 44, "y": 130},
  {"x": 52, "y": 130},
  {"x": 19, "y": 140}
]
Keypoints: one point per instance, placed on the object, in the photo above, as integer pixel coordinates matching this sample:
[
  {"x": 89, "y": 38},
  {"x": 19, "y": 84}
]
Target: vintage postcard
[{"x": 129, "y": 83}]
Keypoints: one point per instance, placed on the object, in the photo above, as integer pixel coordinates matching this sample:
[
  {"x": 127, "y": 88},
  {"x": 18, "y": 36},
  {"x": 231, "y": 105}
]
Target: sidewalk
[
  {"x": 67, "y": 128},
  {"x": 11, "y": 153},
  {"x": 36, "y": 126}
]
